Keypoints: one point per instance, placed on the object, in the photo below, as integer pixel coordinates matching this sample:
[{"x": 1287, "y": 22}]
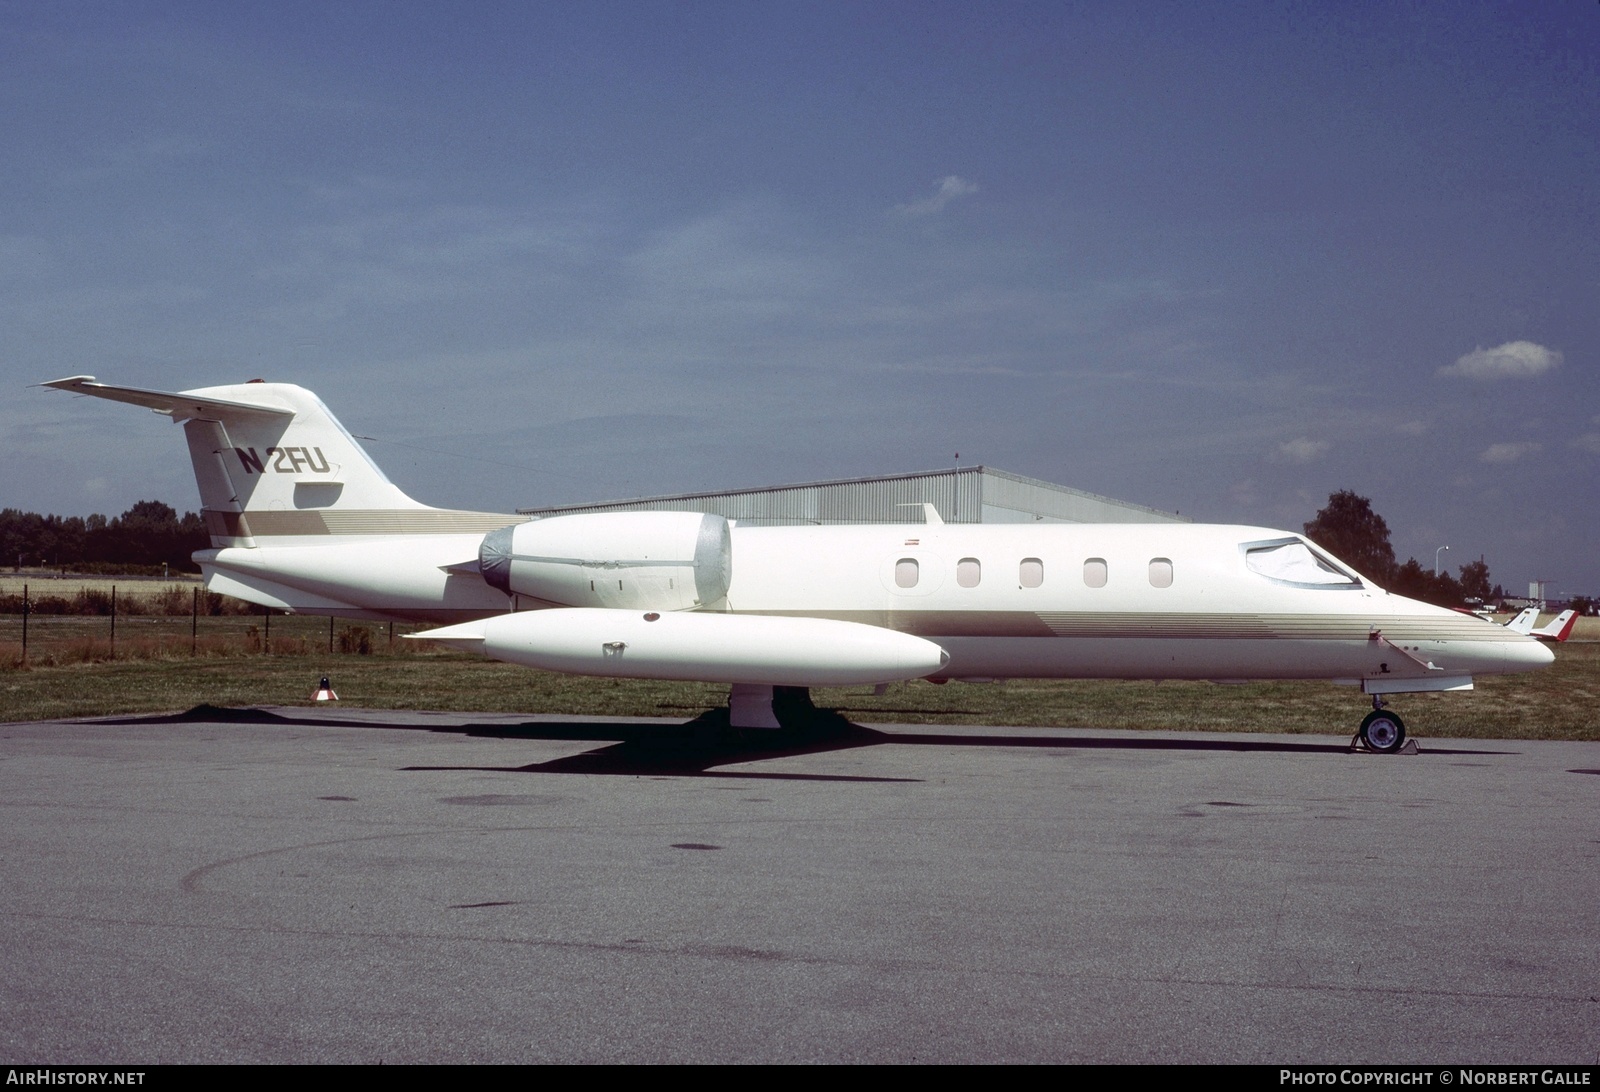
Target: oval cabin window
[
  {"x": 905, "y": 572},
  {"x": 1094, "y": 572},
  {"x": 1030, "y": 574},
  {"x": 1161, "y": 572},
  {"x": 968, "y": 572}
]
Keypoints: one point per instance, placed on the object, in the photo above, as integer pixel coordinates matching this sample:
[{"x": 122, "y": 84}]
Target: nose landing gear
[{"x": 1382, "y": 732}]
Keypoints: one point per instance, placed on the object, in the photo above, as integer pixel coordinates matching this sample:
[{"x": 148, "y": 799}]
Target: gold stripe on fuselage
[
  {"x": 1133, "y": 624},
  {"x": 400, "y": 521}
]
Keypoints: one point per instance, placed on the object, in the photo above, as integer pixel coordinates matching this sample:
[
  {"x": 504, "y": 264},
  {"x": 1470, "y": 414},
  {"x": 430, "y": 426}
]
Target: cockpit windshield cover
[{"x": 1293, "y": 561}]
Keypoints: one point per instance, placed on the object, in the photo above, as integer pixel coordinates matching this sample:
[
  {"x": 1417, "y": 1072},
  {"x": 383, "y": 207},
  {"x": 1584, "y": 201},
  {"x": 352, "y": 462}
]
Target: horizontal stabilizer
[{"x": 176, "y": 404}]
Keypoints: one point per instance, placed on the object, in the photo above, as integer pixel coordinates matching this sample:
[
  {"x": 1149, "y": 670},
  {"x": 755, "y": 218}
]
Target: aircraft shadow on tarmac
[{"x": 696, "y": 748}]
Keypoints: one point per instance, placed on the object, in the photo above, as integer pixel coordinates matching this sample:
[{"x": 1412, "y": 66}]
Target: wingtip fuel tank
[{"x": 703, "y": 647}]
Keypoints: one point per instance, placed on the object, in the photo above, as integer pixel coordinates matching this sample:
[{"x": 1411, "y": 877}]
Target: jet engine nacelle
[{"x": 663, "y": 561}]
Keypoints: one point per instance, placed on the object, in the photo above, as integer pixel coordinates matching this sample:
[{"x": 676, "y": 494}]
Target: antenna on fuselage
[{"x": 930, "y": 513}]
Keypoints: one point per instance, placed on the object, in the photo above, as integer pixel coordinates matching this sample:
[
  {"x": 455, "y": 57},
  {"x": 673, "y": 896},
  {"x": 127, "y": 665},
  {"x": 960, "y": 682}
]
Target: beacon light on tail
[{"x": 726, "y": 648}]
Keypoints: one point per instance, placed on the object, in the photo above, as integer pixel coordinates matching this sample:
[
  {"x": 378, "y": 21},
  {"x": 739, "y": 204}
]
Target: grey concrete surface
[{"x": 353, "y": 886}]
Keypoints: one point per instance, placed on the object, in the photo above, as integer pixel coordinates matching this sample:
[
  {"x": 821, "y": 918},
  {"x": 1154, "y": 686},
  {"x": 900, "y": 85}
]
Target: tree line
[
  {"x": 143, "y": 539},
  {"x": 1350, "y": 530}
]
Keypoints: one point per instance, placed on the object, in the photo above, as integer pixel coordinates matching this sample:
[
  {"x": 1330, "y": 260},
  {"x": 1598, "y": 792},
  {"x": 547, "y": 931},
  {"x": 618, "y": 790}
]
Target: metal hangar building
[{"x": 966, "y": 494}]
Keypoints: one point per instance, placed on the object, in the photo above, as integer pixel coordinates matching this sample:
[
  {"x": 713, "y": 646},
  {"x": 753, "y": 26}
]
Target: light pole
[{"x": 1436, "y": 554}]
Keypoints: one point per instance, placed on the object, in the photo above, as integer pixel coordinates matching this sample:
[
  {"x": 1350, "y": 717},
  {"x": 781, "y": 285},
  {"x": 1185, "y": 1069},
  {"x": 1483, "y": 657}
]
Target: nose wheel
[{"x": 1382, "y": 732}]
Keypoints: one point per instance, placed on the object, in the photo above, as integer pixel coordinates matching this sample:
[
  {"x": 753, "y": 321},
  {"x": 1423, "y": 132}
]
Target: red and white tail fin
[{"x": 1558, "y": 628}]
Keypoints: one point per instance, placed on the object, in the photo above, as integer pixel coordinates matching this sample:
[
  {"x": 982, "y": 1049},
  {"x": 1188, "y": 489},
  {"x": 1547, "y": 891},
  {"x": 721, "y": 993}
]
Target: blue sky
[{"x": 1224, "y": 260}]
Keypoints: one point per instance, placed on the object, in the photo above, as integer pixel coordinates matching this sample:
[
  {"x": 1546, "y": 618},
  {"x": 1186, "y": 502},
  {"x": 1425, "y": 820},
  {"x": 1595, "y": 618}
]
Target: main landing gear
[
  {"x": 1382, "y": 732},
  {"x": 779, "y": 707}
]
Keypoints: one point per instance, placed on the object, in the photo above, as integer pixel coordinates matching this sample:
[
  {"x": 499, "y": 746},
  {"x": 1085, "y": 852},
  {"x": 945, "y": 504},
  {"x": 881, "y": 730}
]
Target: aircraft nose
[{"x": 1527, "y": 655}]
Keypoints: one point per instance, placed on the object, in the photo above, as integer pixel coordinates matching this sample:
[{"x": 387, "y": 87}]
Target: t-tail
[
  {"x": 282, "y": 482},
  {"x": 1558, "y": 628},
  {"x": 1523, "y": 622}
]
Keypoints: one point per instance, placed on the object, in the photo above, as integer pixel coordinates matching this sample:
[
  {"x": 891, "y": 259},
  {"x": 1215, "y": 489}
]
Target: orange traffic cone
[{"x": 324, "y": 692}]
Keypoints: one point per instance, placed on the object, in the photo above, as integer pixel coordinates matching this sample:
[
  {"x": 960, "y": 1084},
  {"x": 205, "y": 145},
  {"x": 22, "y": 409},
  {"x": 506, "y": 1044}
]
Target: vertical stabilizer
[
  {"x": 1558, "y": 628},
  {"x": 1523, "y": 622},
  {"x": 275, "y": 466}
]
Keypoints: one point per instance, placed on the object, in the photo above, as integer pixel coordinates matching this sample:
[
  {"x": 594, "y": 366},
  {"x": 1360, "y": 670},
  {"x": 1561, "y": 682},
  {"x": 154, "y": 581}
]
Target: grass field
[
  {"x": 41, "y": 584},
  {"x": 57, "y": 638},
  {"x": 71, "y": 674}
]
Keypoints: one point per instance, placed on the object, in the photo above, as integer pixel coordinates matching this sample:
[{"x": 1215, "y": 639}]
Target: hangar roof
[{"x": 966, "y": 494}]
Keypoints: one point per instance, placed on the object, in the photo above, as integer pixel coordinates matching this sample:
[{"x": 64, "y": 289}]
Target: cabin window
[
  {"x": 1094, "y": 572},
  {"x": 968, "y": 572},
  {"x": 1161, "y": 572},
  {"x": 1294, "y": 562},
  {"x": 1030, "y": 574},
  {"x": 905, "y": 572}
]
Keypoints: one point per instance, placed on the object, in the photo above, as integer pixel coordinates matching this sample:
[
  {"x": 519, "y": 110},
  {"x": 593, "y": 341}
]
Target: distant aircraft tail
[
  {"x": 274, "y": 464},
  {"x": 1523, "y": 623},
  {"x": 1558, "y": 628}
]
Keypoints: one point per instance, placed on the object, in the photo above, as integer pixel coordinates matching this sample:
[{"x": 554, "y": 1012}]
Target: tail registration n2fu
[{"x": 302, "y": 520}]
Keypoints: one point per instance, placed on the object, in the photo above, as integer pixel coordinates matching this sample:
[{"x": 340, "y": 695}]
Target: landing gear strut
[
  {"x": 754, "y": 706},
  {"x": 1382, "y": 732}
]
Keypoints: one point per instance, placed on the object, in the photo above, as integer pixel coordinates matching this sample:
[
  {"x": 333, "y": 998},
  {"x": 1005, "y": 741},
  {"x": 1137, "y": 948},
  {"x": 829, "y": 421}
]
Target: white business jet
[{"x": 302, "y": 520}]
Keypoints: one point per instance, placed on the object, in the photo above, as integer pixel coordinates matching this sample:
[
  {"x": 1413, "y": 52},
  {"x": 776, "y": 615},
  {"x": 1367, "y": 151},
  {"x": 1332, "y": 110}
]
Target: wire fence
[{"x": 105, "y": 621}]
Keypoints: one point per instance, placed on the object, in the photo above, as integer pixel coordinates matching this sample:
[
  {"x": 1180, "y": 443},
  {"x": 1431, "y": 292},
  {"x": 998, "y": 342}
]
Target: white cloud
[
  {"x": 1589, "y": 441},
  {"x": 1302, "y": 450},
  {"x": 1513, "y": 360},
  {"x": 949, "y": 188},
  {"x": 1507, "y": 453}
]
